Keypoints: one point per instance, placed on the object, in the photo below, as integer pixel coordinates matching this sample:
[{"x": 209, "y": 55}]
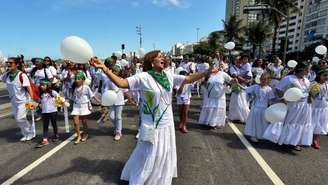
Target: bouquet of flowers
[
  {"x": 31, "y": 105},
  {"x": 315, "y": 89}
]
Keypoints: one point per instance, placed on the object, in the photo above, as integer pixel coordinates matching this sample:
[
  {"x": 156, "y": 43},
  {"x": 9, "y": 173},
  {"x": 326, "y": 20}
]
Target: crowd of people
[{"x": 150, "y": 84}]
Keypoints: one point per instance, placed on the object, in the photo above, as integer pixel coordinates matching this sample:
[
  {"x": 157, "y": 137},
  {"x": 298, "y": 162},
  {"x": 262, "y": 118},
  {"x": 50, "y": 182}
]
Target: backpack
[{"x": 35, "y": 89}]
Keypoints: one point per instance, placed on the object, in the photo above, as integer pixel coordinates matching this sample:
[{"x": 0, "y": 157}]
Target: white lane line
[
  {"x": 37, "y": 162},
  {"x": 266, "y": 168},
  {"x": 5, "y": 115}
]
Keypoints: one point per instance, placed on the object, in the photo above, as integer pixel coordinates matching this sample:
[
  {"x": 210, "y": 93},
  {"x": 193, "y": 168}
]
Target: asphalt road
[{"x": 205, "y": 157}]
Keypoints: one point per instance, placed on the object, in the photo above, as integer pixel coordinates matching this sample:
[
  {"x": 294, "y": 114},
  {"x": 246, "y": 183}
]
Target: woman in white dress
[
  {"x": 213, "y": 111},
  {"x": 319, "y": 92},
  {"x": 298, "y": 129},
  {"x": 238, "y": 107},
  {"x": 154, "y": 159},
  {"x": 263, "y": 94}
]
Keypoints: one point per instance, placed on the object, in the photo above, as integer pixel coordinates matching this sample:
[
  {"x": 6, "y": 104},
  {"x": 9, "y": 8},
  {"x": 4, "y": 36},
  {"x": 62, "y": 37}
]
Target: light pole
[
  {"x": 197, "y": 29},
  {"x": 261, "y": 7},
  {"x": 139, "y": 32}
]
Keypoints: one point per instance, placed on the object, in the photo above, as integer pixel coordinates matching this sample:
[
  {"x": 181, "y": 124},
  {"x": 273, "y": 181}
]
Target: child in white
[
  {"x": 82, "y": 106},
  {"x": 183, "y": 101},
  {"x": 49, "y": 111},
  {"x": 238, "y": 107},
  {"x": 256, "y": 123},
  {"x": 320, "y": 106},
  {"x": 213, "y": 111}
]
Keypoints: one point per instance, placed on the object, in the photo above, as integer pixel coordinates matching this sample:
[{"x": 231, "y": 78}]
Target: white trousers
[{"x": 19, "y": 111}]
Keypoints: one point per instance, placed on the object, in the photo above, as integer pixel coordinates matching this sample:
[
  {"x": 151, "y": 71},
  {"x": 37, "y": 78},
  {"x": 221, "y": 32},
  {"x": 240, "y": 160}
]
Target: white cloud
[
  {"x": 176, "y": 3},
  {"x": 135, "y": 3}
]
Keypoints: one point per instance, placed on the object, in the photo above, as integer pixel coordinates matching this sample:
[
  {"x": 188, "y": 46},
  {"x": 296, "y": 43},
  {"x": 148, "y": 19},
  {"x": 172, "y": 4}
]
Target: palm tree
[
  {"x": 284, "y": 6},
  {"x": 233, "y": 29},
  {"x": 257, "y": 33},
  {"x": 214, "y": 39}
]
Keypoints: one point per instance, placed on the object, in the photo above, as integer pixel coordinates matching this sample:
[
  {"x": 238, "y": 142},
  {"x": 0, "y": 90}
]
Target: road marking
[
  {"x": 266, "y": 168},
  {"x": 4, "y": 115},
  {"x": 37, "y": 162}
]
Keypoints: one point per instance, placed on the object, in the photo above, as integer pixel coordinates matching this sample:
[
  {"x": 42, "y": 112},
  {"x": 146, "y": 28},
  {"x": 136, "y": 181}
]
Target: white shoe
[
  {"x": 117, "y": 137},
  {"x": 23, "y": 139},
  {"x": 254, "y": 140},
  {"x": 29, "y": 138},
  {"x": 137, "y": 136}
]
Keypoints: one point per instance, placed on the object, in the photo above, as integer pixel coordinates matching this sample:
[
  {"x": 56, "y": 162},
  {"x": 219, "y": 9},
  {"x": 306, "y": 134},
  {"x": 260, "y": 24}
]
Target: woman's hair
[
  {"x": 149, "y": 59},
  {"x": 300, "y": 67},
  {"x": 266, "y": 75},
  {"x": 256, "y": 63},
  {"x": 17, "y": 61},
  {"x": 37, "y": 61},
  {"x": 48, "y": 89},
  {"x": 319, "y": 72}
]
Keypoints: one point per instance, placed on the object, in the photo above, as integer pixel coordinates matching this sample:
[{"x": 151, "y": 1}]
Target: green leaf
[{"x": 149, "y": 98}]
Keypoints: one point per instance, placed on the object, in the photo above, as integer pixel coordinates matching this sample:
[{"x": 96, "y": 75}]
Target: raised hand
[{"x": 96, "y": 63}]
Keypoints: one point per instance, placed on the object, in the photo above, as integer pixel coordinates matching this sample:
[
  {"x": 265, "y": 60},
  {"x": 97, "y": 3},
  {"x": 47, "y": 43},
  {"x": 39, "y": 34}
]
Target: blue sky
[{"x": 36, "y": 27}]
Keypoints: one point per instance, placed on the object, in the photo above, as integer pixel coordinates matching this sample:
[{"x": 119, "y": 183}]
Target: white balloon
[
  {"x": 292, "y": 63},
  {"x": 118, "y": 54},
  {"x": 230, "y": 45},
  {"x": 315, "y": 60},
  {"x": 108, "y": 98},
  {"x": 141, "y": 52},
  {"x": 276, "y": 113},
  {"x": 87, "y": 82},
  {"x": 293, "y": 94},
  {"x": 321, "y": 49},
  {"x": 76, "y": 49}
]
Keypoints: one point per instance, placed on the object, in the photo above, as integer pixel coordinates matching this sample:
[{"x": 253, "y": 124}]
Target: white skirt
[
  {"x": 320, "y": 120},
  {"x": 238, "y": 107},
  {"x": 297, "y": 129},
  {"x": 81, "y": 109},
  {"x": 273, "y": 131},
  {"x": 183, "y": 101},
  {"x": 213, "y": 116},
  {"x": 256, "y": 123},
  {"x": 153, "y": 164}
]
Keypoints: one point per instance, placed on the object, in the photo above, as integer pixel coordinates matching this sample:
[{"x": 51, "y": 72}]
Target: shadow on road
[{"x": 108, "y": 170}]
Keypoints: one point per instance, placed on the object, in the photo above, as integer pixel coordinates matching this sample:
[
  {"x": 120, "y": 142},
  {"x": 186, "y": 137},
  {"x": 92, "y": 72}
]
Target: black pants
[{"x": 46, "y": 117}]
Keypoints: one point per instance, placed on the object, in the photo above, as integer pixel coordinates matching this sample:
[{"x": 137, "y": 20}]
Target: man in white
[
  {"x": 123, "y": 62},
  {"x": 187, "y": 65},
  {"x": 19, "y": 89}
]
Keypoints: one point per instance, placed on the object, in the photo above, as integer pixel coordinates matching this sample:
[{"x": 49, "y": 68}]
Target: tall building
[
  {"x": 316, "y": 22},
  {"x": 295, "y": 28},
  {"x": 235, "y": 7}
]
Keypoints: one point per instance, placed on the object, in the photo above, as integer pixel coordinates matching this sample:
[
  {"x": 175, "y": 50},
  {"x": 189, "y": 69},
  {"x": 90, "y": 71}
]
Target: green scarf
[
  {"x": 161, "y": 78},
  {"x": 13, "y": 75}
]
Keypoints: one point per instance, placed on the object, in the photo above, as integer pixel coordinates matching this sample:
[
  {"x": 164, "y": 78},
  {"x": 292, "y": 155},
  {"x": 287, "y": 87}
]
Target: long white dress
[
  {"x": 213, "y": 111},
  {"x": 298, "y": 128},
  {"x": 238, "y": 107},
  {"x": 320, "y": 111},
  {"x": 256, "y": 123},
  {"x": 154, "y": 163}
]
